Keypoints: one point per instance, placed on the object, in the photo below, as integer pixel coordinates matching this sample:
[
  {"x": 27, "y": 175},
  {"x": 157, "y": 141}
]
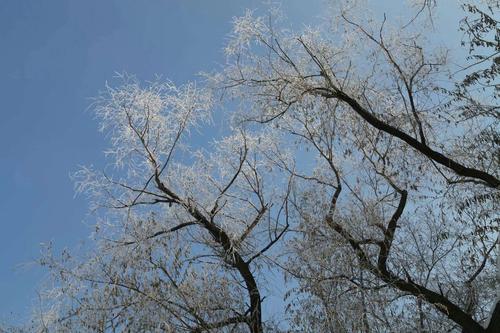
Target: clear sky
[{"x": 54, "y": 56}]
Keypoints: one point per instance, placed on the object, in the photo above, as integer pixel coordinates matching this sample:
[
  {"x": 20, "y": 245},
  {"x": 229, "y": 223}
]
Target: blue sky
[{"x": 54, "y": 56}]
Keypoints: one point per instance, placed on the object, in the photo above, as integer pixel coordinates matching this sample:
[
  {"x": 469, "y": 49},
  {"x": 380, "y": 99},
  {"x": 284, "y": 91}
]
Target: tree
[
  {"x": 387, "y": 107},
  {"x": 362, "y": 166},
  {"x": 183, "y": 237}
]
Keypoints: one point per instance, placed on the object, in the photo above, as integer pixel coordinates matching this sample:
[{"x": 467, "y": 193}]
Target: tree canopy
[{"x": 359, "y": 170}]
